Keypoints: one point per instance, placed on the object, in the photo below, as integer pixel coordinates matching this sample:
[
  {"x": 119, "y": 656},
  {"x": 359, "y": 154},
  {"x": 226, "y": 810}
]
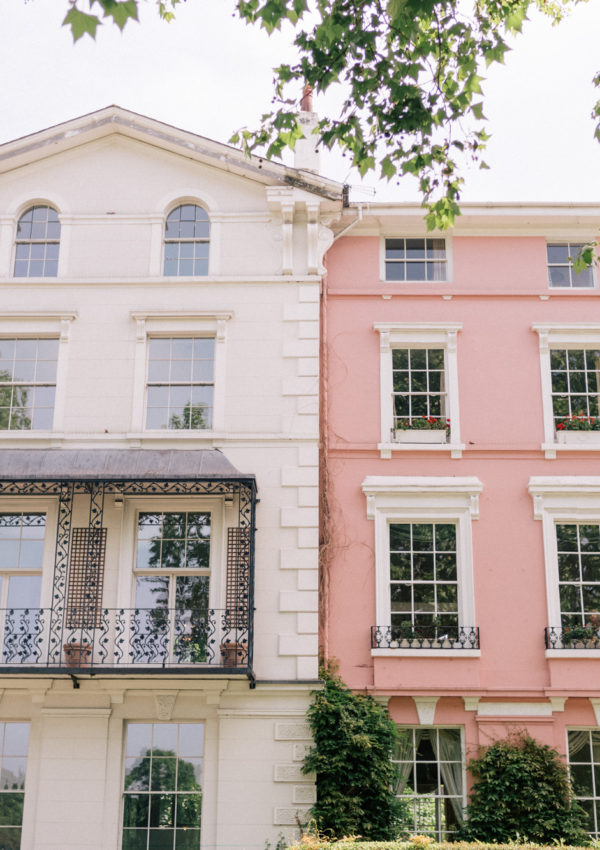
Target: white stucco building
[{"x": 159, "y": 342}]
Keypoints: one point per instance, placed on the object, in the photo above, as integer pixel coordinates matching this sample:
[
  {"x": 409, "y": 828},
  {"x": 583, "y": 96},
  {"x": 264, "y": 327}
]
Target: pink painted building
[{"x": 462, "y": 562}]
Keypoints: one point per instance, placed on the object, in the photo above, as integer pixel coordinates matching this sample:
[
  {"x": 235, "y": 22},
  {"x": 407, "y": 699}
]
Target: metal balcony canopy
[{"x": 118, "y": 465}]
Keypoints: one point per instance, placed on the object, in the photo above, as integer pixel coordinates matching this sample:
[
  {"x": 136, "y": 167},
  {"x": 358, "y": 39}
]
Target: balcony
[
  {"x": 80, "y": 630},
  {"x": 572, "y": 637},
  {"x": 121, "y": 640},
  {"x": 425, "y": 637}
]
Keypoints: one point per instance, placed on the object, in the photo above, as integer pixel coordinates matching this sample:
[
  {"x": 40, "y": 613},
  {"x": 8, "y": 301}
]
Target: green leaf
[{"x": 80, "y": 23}]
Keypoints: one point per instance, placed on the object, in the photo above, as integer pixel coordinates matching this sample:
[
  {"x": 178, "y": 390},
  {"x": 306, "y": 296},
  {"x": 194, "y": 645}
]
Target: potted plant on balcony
[
  {"x": 580, "y": 637},
  {"x": 578, "y": 429},
  {"x": 422, "y": 429},
  {"x": 77, "y": 653}
]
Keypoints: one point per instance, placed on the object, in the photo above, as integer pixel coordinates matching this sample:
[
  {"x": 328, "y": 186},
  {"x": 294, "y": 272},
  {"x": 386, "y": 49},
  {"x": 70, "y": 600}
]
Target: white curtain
[
  {"x": 577, "y": 741},
  {"x": 452, "y": 771},
  {"x": 405, "y": 754}
]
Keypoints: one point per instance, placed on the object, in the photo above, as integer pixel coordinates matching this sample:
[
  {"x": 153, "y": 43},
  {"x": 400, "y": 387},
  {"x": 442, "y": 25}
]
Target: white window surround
[
  {"x": 220, "y": 516},
  {"x": 49, "y": 506},
  {"x": 173, "y": 324},
  {"x": 420, "y": 335},
  {"x": 392, "y": 499},
  {"x": 573, "y": 243},
  {"x": 574, "y": 336},
  {"x": 557, "y": 499},
  {"x": 417, "y": 235},
  {"x": 27, "y": 325}
]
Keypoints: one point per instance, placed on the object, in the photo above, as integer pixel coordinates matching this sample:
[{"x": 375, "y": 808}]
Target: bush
[
  {"x": 522, "y": 792},
  {"x": 418, "y": 842},
  {"x": 354, "y": 740}
]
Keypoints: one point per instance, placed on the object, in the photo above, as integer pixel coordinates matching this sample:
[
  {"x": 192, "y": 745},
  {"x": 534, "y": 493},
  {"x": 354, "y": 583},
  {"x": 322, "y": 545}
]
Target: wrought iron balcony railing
[
  {"x": 572, "y": 637},
  {"x": 121, "y": 639},
  {"x": 424, "y": 637}
]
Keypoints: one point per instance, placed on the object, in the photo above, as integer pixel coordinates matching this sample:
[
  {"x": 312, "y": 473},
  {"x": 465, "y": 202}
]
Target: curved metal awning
[{"x": 118, "y": 465}]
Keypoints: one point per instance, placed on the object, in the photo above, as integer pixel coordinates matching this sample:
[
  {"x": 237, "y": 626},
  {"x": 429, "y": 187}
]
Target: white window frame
[
  {"x": 581, "y": 241},
  {"x": 49, "y": 325},
  {"x": 394, "y": 499},
  {"x": 463, "y": 752},
  {"x": 420, "y": 235},
  {"x": 219, "y": 522},
  {"x": 185, "y": 325},
  {"x": 422, "y": 335},
  {"x": 568, "y": 336},
  {"x": 562, "y": 499}
]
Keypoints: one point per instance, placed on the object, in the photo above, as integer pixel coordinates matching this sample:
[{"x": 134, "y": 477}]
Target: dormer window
[
  {"x": 187, "y": 236},
  {"x": 37, "y": 243}
]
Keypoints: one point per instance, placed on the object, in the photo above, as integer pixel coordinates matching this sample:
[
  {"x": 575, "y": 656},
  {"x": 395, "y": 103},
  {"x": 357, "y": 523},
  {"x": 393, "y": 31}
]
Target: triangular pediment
[{"x": 115, "y": 121}]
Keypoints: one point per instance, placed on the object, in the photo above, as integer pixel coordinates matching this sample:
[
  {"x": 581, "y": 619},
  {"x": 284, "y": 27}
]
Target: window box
[
  {"x": 578, "y": 438},
  {"x": 420, "y": 436}
]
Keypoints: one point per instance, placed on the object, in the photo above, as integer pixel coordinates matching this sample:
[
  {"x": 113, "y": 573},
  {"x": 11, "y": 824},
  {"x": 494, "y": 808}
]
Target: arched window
[
  {"x": 37, "y": 243},
  {"x": 187, "y": 234}
]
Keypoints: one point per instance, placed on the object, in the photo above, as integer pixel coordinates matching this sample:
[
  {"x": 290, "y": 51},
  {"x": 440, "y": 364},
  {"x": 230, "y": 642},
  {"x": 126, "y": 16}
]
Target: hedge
[{"x": 418, "y": 842}]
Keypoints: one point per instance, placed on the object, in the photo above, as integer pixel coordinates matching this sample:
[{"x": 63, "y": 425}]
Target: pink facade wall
[{"x": 499, "y": 289}]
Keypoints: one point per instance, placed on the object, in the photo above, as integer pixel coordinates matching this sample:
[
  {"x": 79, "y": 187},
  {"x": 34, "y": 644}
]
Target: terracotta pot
[
  {"x": 77, "y": 655},
  {"x": 232, "y": 654}
]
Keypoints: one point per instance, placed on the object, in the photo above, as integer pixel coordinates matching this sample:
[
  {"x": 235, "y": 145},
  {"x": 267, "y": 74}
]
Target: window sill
[
  {"x": 593, "y": 654},
  {"x": 425, "y": 653},
  {"x": 455, "y": 449},
  {"x": 550, "y": 449}
]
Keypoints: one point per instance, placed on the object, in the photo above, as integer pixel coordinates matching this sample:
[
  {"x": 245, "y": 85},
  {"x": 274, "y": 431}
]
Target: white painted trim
[
  {"x": 44, "y": 323},
  {"x": 219, "y": 517},
  {"x": 573, "y": 336},
  {"x": 415, "y": 231},
  {"x": 514, "y": 709},
  {"x": 596, "y": 706},
  {"x": 425, "y": 653},
  {"x": 423, "y": 499},
  {"x": 426, "y": 709},
  {"x": 176, "y": 323},
  {"x": 418, "y": 335},
  {"x": 562, "y": 498},
  {"x": 471, "y": 703}
]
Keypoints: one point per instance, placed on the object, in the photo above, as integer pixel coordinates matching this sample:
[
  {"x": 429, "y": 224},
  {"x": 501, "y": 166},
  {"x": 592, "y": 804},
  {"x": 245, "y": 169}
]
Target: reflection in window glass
[
  {"x": 430, "y": 766},
  {"x": 578, "y": 552},
  {"x": 575, "y": 383},
  {"x": 14, "y": 741},
  {"x": 419, "y": 384},
  {"x": 560, "y": 266},
  {"x": 415, "y": 259},
  {"x": 21, "y": 558},
  {"x": 37, "y": 243},
  {"x": 584, "y": 766},
  {"x": 162, "y": 802},
  {"x": 187, "y": 235},
  {"x": 180, "y": 383},
  {"x": 172, "y": 586},
  {"x": 423, "y": 580},
  {"x": 27, "y": 383}
]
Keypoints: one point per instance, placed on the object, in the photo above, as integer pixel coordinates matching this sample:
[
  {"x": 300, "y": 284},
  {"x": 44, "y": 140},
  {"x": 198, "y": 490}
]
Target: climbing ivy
[
  {"x": 522, "y": 792},
  {"x": 354, "y": 741}
]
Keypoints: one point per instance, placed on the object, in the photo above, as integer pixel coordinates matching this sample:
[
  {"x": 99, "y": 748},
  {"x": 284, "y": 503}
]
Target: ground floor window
[
  {"x": 14, "y": 740},
  {"x": 163, "y": 786},
  {"x": 431, "y": 783},
  {"x": 584, "y": 765}
]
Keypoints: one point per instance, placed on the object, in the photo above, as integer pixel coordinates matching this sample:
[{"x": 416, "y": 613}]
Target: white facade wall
[{"x": 261, "y": 303}]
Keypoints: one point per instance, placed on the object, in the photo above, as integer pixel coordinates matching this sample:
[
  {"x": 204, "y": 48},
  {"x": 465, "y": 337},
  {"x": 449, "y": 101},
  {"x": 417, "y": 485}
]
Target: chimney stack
[{"x": 306, "y": 153}]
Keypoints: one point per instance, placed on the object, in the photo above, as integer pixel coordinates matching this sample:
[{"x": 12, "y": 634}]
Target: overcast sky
[{"x": 208, "y": 73}]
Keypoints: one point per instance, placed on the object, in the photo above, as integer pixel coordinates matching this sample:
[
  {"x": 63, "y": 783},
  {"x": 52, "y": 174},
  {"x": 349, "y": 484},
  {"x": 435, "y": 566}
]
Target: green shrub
[
  {"x": 354, "y": 740},
  {"x": 522, "y": 792},
  {"x": 418, "y": 842}
]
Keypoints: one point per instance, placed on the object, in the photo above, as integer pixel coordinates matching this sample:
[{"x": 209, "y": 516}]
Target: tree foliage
[
  {"x": 522, "y": 792},
  {"x": 410, "y": 69},
  {"x": 354, "y": 740}
]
